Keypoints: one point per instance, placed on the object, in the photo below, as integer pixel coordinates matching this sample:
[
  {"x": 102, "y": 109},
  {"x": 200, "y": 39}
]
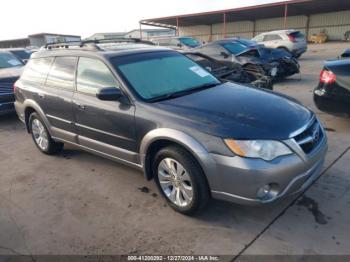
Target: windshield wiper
[{"x": 184, "y": 92}]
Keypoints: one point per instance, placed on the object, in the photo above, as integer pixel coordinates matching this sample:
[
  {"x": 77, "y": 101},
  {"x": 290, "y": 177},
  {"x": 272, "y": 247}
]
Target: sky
[{"x": 84, "y": 18}]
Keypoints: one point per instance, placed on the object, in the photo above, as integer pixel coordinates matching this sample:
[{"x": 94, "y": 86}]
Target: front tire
[
  {"x": 41, "y": 136},
  {"x": 180, "y": 180}
]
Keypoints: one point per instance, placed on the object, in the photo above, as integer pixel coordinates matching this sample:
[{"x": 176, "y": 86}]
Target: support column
[
  {"x": 140, "y": 31},
  {"x": 211, "y": 33},
  {"x": 307, "y": 29},
  {"x": 285, "y": 16},
  {"x": 254, "y": 28},
  {"x": 225, "y": 29},
  {"x": 177, "y": 27}
]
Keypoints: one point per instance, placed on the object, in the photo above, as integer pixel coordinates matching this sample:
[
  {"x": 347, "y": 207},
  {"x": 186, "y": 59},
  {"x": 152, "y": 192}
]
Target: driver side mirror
[
  {"x": 224, "y": 54},
  {"x": 109, "y": 94}
]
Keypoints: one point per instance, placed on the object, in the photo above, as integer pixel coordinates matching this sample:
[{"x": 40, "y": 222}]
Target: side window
[
  {"x": 211, "y": 50},
  {"x": 93, "y": 74},
  {"x": 272, "y": 37},
  {"x": 174, "y": 42},
  {"x": 62, "y": 73},
  {"x": 258, "y": 38},
  {"x": 36, "y": 70}
]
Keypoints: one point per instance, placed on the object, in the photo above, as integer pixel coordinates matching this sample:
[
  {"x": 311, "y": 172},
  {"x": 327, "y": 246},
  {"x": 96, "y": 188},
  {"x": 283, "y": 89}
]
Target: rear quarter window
[{"x": 37, "y": 69}]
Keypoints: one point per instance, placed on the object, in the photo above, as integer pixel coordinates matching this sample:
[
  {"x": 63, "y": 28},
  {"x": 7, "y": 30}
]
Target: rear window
[
  {"x": 297, "y": 34},
  {"x": 9, "y": 60},
  {"x": 37, "y": 69},
  {"x": 189, "y": 41}
]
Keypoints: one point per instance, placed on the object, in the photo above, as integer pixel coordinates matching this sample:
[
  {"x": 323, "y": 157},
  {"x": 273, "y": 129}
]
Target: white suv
[{"x": 291, "y": 40}]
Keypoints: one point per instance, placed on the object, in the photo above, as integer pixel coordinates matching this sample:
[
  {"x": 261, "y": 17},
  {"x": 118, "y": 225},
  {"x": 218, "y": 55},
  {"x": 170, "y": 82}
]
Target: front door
[{"x": 104, "y": 126}]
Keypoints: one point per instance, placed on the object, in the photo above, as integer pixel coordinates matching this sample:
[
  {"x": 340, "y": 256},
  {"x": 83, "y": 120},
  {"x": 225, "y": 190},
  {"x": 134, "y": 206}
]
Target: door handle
[{"x": 41, "y": 95}]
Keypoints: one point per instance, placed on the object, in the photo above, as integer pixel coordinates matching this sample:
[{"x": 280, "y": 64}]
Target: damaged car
[
  {"x": 228, "y": 71},
  {"x": 276, "y": 63}
]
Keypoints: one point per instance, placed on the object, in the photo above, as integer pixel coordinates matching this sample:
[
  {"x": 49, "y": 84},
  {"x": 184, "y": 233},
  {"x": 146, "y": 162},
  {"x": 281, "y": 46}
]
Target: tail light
[
  {"x": 327, "y": 77},
  {"x": 292, "y": 38},
  {"x": 14, "y": 88}
]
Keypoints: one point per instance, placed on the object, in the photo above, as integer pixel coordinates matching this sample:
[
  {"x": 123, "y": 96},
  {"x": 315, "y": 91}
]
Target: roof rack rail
[
  {"x": 73, "y": 44},
  {"x": 118, "y": 40},
  {"x": 92, "y": 44}
]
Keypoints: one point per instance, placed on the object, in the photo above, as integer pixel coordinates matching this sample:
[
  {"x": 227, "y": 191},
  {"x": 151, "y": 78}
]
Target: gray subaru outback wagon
[{"x": 157, "y": 110}]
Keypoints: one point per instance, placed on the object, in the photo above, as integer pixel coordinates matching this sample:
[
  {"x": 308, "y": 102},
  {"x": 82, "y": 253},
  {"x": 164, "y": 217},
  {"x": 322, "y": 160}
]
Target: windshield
[
  {"x": 234, "y": 48},
  {"x": 8, "y": 60},
  {"x": 22, "y": 54},
  {"x": 153, "y": 75},
  {"x": 188, "y": 41}
]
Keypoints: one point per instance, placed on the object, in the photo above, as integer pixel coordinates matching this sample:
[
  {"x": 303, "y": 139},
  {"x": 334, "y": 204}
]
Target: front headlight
[{"x": 264, "y": 149}]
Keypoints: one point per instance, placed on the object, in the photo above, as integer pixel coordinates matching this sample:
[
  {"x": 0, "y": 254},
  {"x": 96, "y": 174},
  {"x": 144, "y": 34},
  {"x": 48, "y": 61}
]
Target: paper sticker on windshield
[
  {"x": 14, "y": 62},
  {"x": 199, "y": 71}
]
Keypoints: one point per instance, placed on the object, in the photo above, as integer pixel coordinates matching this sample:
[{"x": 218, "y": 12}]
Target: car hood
[{"x": 235, "y": 111}]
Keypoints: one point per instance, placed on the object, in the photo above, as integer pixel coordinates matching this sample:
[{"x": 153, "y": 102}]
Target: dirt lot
[{"x": 77, "y": 203}]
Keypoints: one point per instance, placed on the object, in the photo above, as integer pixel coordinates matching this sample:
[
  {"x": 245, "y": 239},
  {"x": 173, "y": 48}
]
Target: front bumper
[
  {"x": 241, "y": 178},
  {"x": 299, "y": 51}
]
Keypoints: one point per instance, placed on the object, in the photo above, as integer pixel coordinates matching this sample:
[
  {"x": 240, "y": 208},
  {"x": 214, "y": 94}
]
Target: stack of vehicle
[
  {"x": 276, "y": 63},
  {"x": 228, "y": 71},
  {"x": 248, "y": 61}
]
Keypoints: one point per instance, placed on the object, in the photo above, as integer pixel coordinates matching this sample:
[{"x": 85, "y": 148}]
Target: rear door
[
  {"x": 57, "y": 97},
  {"x": 105, "y": 126},
  {"x": 272, "y": 40}
]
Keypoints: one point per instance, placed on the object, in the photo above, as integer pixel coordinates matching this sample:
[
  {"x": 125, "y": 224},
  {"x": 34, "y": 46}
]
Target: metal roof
[
  {"x": 51, "y": 34},
  {"x": 271, "y": 10}
]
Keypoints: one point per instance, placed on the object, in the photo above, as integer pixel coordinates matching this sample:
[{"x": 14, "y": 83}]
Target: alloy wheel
[
  {"x": 40, "y": 134},
  {"x": 175, "y": 182}
]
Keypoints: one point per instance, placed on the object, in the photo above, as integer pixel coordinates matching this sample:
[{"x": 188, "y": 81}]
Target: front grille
[{"x": 310, "y": 138}]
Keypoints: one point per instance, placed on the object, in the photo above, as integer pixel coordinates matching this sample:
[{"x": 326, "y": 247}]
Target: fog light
[
  {"x": 263, "y": 191},
  {"x": 267, "y": 192}
]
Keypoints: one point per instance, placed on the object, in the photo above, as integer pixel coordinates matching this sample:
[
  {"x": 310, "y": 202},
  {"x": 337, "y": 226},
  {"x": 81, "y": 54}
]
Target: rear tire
[
  {"x": 180, "y": 180},
  {"x": 41, "y": 136}
]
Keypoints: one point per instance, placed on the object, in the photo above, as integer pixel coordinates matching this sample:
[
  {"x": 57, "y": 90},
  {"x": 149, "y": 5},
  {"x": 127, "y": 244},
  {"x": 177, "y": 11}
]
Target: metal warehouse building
[
  {"x": 38, "y": 40},
  {"x": 308, "y": 16}
]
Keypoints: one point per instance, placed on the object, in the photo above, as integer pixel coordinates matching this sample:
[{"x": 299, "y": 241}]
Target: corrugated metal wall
[{"x": 334, "y": 24}]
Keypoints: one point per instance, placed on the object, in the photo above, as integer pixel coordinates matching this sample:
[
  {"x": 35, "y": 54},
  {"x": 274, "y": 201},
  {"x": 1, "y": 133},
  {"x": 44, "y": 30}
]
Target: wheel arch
[
  {"x": 31, "y": 106},
  {"x": 284, "y": 48},
  {"x": 158, "y": 138}
]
